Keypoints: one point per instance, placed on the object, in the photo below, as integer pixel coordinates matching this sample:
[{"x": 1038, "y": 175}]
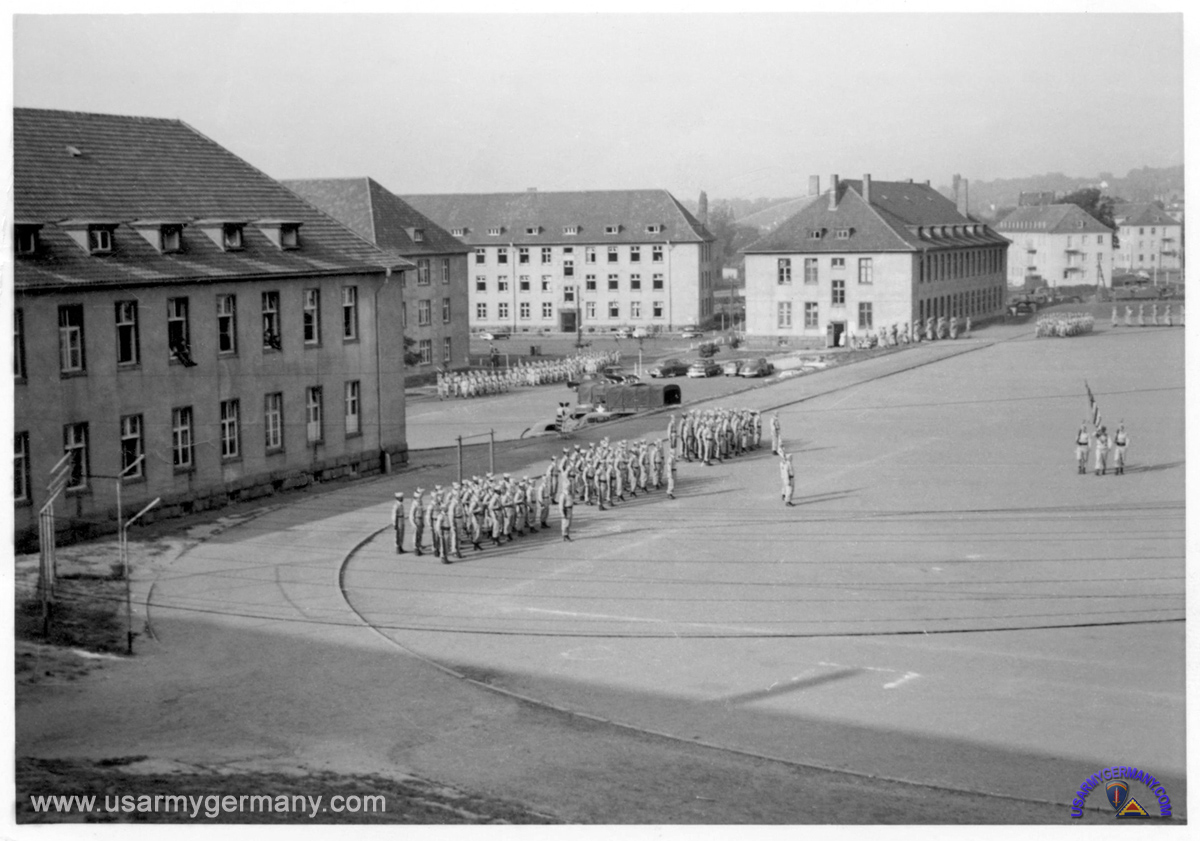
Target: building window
[
  {"x": 838, "y": 264},
  {"x": 352, "y": 408},
  {"x": 75, "y": 445},
  {"x": 502, "y": 310},
  {"x": 425, "y": 348},
  {"x": 424, "y": 313},
  {"x": 547, "y": 255},
  {"x": 447, "y": 350},
  {"x": 226, "y": 324},
  {"x": 350, "y": 313},
  {"x": 810, "y": 313},
  {"x": 656, "y": 282},
  {"x": 132, "y": 447},
  {"x": 502, "y": 283},
  {"x": 571, "y": 230},
  {"x": 547, "y": 309},
  {"x": 569, "y": 294},
  {"x": 19, "y": 370},
  {"x": 26, "y": 240},
  {"x": 179, "y": 339},
  {"x": 839, "y": 292},
  {"x": 481, "y": 311},
  {"x": 657, "y": 309},
  {"x": 501, "y": 255},
  {"x": 99, "y": 240},
  {"x": 612, "y": 230},
  {"x": 128, "y": 346},
  {"x": 635, "y": 282},
  {"x": 403, "y": 314},
  {"x": 614, "y": 309},
  {"x": 313, "y": 414},
  {"x": 231, "y": 429},
  {"x": 785, "y": 315},
  {"x": 568, "y": 268},
  {"x": 784, "y": 270},
  {"x": 590, "y": 310},
  {"x": 635, "y": 309},
  {"x": 523, "y": 283},
  {"x": 418, "y": 234},
  {"x": 811, "y": 273},
  {"x": 480, "y": 283},
  {"x": 635, "y": 254},
  {"x": 231, "y": 236},
  {"x": 613, "y": 254},
  {"x": 546, "y": 282},
  {"x": 445, "y": 310},
  {"x": 589, "y": 283},
  {"x": 494, "y": 232},
  {"x": 272, "y": 337},
  {"x": 445, "y": 270},
  {"x": 21, "y": 486},
  {"x": 458, "y": 232},
  {"x": 522, "y": 255},
  {"x": 589, "y": 254},
  {"x": 866, "y": 270},
  {"x": 656, "y": 254},
  {"x": 480, "y": 256},
  {"x": 181, "y": 438},
  {"x": 312, "y": 315},
  {"x": 273, "y": 421},
  {"x": 866, "y": 319},
  {"x": 524, "y": 310},
  {"x": 613, "y": 282},
  {"x": 70, "y": 339},
  {"x": 423, "y": 271}
]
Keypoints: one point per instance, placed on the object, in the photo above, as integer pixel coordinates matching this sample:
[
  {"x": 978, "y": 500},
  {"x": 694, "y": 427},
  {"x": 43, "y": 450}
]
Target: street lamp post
[{"x": 124, "y": 543}]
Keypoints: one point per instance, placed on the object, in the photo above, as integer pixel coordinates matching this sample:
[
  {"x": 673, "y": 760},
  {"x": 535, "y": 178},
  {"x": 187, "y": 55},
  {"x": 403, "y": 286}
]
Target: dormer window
[
  {"x": 283, "y": 233},
  {"x": 172, "y": 238},
  {"x": 533, "y": 230},
  {"x": 416, "y": 234},
  {"x": 99, "y": 239},
  {"x": 289, "y": 236},
  {"x": 495, "y": 231},
  {"x": 612, "y": 229},
  {"x": 571, "y": 230},
  {"x": 843, "y": 233},
  {"x": 231, "y": 237},
  {"x": 458, "y": 232},
  {"x": 26, "y": 238},
  {"x": 654, "y": 229},
  {"x": 816, "y": 233}
]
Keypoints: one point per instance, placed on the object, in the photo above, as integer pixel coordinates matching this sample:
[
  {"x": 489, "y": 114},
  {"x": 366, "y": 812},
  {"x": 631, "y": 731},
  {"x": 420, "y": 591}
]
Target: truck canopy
[{"x": 625, "y": 397}]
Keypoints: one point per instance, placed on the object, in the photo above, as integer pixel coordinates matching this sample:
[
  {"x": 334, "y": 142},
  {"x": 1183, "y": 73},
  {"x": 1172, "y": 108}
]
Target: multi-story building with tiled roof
[
  {"x": 187, "y": 323},
  {"x": 1057, "y": 245},
  {"x": 435, "y": 295},
  {"x": 1150, "y": 238},
  {"x": 870, "y": 254},
  {"x": 613, "y": 258}
]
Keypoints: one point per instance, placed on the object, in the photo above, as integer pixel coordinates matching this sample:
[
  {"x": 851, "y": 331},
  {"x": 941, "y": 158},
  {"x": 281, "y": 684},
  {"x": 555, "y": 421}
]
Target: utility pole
[{"x": 124, "y": 543}]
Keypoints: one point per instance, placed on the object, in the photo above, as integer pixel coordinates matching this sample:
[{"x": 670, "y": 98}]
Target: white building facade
[
  {"x": 1057, "y": 245},
  {"x": 590, "y": 261},
  {"x": 1150, "y": 238}
]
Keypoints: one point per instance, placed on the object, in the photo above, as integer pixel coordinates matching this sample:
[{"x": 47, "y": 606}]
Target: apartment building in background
[
  {"x": 591, "y": 260},
  {"x": 1150, "y": 238},
  {"x": 1057, "y": 245},
  {"x": 869, "y": 254},
  {"x": 187, "y": 324}
]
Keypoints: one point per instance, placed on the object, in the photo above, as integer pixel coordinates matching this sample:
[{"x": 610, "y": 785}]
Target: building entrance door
[
  {"x": 834, "y": 332},
  {"x": 566, "y": 319}
]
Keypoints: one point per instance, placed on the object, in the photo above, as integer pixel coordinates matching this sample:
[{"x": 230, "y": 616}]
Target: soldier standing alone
[
  {"x": 398, "y": 522},
  {"x": 787, "y": 476}
]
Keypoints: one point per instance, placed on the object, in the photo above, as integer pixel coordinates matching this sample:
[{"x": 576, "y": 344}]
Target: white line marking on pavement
[{"x": 907, "y": 677}]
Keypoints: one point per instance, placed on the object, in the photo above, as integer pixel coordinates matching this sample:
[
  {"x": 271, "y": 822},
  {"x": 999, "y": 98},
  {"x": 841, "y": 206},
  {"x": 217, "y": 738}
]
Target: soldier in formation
[
  {"x": 1064, "y": 325},
  {"x": 524, "y": 373}
]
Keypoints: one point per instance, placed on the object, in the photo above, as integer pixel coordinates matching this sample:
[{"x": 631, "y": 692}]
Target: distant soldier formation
[
  {"x": 1166, "y": 319},
  {"x": 1064, "y": 325},
  {"x": 905, "y": 334},
  {"x": 480, "y": 383}
]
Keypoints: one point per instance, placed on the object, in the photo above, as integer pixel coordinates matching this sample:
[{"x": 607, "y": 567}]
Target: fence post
[{"x": 492, "y": 451}]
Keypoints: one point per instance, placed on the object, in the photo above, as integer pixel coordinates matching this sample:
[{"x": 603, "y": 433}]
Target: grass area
[
  {"x": 111, "y": 781},
  {"x": 87, "y": 613}
]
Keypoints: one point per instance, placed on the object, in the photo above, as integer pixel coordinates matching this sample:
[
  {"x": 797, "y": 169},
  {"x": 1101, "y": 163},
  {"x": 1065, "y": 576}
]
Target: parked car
[
  {"x": 732, "y": 367},
  {"x": 690, "y": 334},
  {"x": 704, "y": 368},
  {"x": 491, "y": 337},
  {"x": 624, "y": 333},
  {"x": 640, "y": 333},
  {"x": 669, "y": 368},
  {"x": 757, "y": 368}
]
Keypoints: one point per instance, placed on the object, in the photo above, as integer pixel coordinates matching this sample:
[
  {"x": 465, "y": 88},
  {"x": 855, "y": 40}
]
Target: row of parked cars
[{"x": 709, "y": 368}]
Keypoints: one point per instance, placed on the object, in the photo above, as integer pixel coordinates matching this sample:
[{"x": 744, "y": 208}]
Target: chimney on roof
[
  {"x": 866, "y": 193},
  {"x": 960, "y": 195},
  {"x": 814, "y": 185},
  {"x": 702, "y": 208},
  {"x": 833, "y": 190}
]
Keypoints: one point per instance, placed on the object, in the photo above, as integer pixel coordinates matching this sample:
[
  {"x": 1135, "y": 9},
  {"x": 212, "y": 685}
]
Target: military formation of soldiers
[
  {"x": 714, "y": 434},
  {"x": 1166, "y": 320},
  {"x": 1064, "y": 324},
  {"x": 1104, "y": 445},
  {"x": 499, "y": 508},
  {"x": 904, "y": 334},
  {"x": 524, "y": 373}
]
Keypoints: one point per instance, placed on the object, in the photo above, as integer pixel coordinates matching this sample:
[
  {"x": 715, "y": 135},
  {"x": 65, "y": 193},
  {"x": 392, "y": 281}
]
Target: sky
[{"x": 739, "y": 105}]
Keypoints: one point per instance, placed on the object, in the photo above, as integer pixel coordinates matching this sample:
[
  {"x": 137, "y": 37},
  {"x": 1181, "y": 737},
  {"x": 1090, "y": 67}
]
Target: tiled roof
[
  {"x": 376, "y": 214},
  {"x": 93, "y": 167},
  {"x": 901, "y": 216},
  {"x": 590, "y": 211},
  {"x": 1142, "y": 213},
  {"x": 1052, "y": 219}
]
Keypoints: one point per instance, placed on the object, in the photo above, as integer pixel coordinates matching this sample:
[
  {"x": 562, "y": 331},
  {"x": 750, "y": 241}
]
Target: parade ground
[{"x": 949, "y": 604}]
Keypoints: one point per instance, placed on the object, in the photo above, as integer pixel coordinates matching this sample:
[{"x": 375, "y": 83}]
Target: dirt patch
[
  {"x": 124, "y": 790},
  {"x": 86, "y": 613}
]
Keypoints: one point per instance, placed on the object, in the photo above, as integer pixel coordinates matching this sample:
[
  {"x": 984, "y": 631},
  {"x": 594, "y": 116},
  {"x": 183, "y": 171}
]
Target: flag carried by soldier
[{"x": 1094, "y": 406}]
